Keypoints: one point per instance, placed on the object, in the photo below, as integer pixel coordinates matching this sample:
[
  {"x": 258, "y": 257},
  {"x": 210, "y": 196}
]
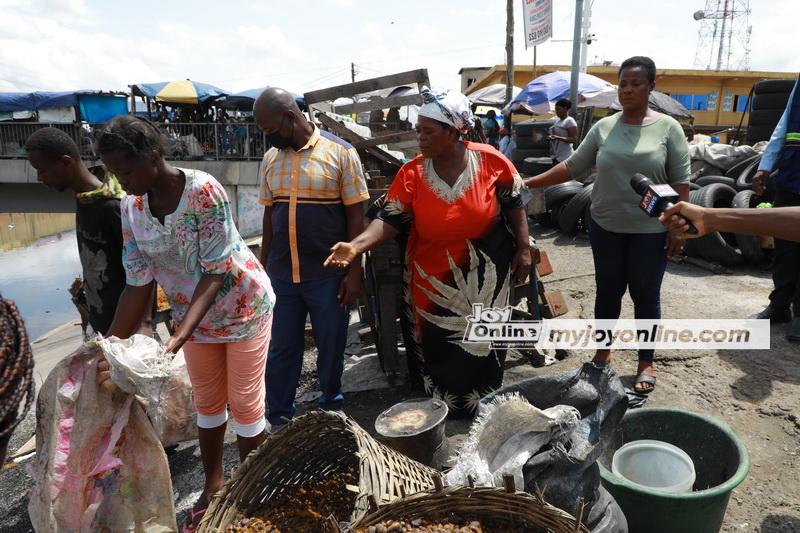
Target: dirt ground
[{"x": 755, "y": 392}]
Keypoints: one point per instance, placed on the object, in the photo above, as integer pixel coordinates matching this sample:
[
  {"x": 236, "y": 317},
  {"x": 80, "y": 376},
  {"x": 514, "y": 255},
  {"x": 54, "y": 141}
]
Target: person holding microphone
[
  {"x": 783, "y": 153},
  {"x": 780, "y": 223}
]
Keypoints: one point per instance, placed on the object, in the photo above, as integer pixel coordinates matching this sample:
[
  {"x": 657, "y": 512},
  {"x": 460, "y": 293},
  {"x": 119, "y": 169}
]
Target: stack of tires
[
  {"x": 735, "y": 189},
  {"x": 769, "y": 101},
  {"x": 532, "y": 154},
  {"x": 567, "y": 206}
]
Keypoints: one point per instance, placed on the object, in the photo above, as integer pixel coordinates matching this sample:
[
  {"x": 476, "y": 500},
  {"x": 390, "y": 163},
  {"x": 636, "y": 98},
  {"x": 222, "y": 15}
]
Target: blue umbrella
[
  {"x": 243, "y": 101},
  {"x": 536, "y": 97}
]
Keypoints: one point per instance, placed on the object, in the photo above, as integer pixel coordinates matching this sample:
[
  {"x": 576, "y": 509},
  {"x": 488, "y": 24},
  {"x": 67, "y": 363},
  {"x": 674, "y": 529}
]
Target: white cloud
[
  {"x": 47, "y": 45},
  {"x": 65, "y": 8}
]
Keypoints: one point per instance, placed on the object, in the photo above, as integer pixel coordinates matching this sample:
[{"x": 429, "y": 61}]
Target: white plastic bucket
[{"x": 654, "y": 465}]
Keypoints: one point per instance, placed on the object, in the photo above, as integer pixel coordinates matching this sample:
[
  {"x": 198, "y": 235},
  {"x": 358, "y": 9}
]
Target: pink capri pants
[{"x": 230, "y": 373}]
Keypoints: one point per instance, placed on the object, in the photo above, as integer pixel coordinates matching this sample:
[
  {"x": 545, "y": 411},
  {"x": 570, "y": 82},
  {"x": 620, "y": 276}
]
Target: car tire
[
  {"x": 758, "y": 133},
  {"x": 702, "y": 181},
  {"x": 765, "y": 117},
  {"x": 736, "y": 170},
  {"x": 533, "y": 166},
  {"x": 774, "y": 86},
  {"x": 521, "y": 154},
  {"x": 527, "y": 143},
  {"x": 715, "y": 247},
  {"x": 748, "y": 244},
  {"x": 766, "y": 101},
  {"x": 572, "y": 219},
  {"x": 561, "y": 192}
]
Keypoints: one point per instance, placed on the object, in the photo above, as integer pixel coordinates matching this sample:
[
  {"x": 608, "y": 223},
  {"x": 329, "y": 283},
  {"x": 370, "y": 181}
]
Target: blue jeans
[
  {"x": 294, "y": 301},
  {"x": 628, "y": 261}
]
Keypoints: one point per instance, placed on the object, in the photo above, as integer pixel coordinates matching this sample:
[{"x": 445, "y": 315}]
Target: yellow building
[{"x": 717, "y": 99}]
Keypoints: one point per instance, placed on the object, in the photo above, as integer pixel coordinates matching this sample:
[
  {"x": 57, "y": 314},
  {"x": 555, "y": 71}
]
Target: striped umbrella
[{"x": 178, "y": 92}]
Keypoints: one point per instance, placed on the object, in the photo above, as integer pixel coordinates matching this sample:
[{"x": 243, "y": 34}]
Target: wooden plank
[
  {"x": 321, "y": 106},
  {"x": 353, "y": 137},
  {"x": 386, "y": 139},
  {"x": 349, "y": 90},
  {"x": 339, "y": 129},
  {"x": 383, "y": 155},
  {"x": 378, "y": 103}
]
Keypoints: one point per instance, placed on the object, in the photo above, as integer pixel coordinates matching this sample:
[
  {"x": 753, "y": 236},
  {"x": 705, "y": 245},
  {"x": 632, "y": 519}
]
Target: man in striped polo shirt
[{"x": 313, "y": 191}]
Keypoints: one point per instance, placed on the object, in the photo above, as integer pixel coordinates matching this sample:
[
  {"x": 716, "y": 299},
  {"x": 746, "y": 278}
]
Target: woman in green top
[{"x": 630, "y": 249}]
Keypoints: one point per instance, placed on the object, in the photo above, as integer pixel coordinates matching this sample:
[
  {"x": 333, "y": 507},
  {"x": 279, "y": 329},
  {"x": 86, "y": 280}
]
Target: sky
[{"x": 304, "y": 45}]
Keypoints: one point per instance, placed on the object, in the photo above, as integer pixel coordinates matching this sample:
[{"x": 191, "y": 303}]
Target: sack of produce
[
  {"x": 161, "y": 382},
  {"x": 99, "y": 464}
]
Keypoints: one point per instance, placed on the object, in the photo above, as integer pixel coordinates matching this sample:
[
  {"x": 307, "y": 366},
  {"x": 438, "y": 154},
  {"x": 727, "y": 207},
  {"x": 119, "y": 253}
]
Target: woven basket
[
  {"x": 308, "y": 447},
  {"x": 519, "y": 510}
]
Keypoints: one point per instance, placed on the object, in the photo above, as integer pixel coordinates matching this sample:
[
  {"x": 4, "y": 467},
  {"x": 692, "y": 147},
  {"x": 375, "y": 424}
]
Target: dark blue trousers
[
  {"x": 628, "y": 261},
  {"x": 786, "y": 263},
  {"x": 295, "y": 301}
]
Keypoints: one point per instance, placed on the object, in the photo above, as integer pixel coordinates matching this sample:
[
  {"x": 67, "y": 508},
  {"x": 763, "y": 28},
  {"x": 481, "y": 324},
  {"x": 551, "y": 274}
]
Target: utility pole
[
  {"x": 353, "y": 72},
  {"x": 509, "y": 59},
  {"x": 586, "y": 37},
  {"x": 576, "y": 58}
]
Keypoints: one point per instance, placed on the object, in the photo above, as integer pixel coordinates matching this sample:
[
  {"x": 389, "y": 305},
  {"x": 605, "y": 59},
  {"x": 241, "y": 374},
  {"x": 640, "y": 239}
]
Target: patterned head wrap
[{"x": 450, "y": 107}]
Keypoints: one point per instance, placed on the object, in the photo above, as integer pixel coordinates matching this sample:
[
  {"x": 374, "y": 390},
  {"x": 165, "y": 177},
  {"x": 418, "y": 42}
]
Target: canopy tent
[
  {"x": 95, "y": 106},
  {"x": 243, "y": 101},
  {"x": 663, "y": 103},
  {"x": 178, "y": 92},
  {"x": 540, "y": 95},
  {"x": 101, "y": 108},
  {"x": 39, "y": 100},
  {"x": 493, "y": 95}
]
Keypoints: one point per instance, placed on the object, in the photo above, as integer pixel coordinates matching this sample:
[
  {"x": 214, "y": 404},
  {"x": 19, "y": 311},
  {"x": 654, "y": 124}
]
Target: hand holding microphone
[{"x": 657, "y": 198}]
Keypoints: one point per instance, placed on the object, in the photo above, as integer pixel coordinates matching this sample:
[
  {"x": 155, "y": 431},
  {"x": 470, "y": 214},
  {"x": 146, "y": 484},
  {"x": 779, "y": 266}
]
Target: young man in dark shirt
[{"x": 56, "y": 159}]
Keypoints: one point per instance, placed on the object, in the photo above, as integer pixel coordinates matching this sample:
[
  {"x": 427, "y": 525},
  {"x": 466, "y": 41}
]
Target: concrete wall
[{"x": 21, "y": 193}]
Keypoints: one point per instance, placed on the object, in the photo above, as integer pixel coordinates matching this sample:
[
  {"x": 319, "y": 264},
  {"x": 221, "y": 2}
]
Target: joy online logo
[{"x": 494, "y": 325}]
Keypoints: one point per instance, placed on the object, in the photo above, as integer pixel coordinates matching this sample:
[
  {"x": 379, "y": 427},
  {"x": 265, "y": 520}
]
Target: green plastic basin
[{"x": 720, "y": 459}]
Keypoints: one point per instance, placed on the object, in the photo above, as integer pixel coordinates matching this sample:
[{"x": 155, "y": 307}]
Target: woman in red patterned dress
[{"x": 460, "y": 204}]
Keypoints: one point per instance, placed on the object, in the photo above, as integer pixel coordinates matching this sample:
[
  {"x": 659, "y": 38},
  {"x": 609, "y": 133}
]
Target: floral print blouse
[{"x": 199, "y": 238}]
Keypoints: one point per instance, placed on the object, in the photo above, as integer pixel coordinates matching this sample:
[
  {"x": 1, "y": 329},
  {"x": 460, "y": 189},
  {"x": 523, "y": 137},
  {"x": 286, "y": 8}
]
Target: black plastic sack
[{"x": 567, "y": 474}]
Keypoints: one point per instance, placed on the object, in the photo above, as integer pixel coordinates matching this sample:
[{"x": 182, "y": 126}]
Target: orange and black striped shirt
[{"x": 308, "y": 190}]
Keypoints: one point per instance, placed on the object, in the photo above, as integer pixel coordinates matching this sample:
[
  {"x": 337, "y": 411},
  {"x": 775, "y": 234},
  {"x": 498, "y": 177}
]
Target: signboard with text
[{"x": 538, "y": 19}]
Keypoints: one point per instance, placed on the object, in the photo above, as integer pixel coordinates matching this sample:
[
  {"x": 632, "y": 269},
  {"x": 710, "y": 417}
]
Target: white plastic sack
[
  {"x": 722, "y": 156},
  {"x": 139, "y": 366},
  {"x": 193, "y": 147},
  {"x": 506, "y": 433},
  {"x": 99, "y": 465}
]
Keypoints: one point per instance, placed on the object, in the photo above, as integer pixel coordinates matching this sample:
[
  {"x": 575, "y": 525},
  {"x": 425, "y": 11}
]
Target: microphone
[{"x": 656, "y": 198}]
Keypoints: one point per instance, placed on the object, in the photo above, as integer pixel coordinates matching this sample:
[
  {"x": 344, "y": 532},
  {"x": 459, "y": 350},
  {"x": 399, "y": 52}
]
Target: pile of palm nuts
[
  {"x": 305, "y": 507},
  {"x": 449, "y": 524}
]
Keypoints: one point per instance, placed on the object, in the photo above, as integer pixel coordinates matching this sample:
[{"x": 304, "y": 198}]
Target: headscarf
[{"x": 450, "y": 107}]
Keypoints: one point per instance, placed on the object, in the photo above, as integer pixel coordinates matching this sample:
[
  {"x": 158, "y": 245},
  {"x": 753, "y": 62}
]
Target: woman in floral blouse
[{"x": 178, "y": 231}]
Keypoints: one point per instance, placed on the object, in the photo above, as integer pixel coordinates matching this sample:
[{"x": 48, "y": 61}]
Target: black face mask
[{"x": 279, "y": 141}]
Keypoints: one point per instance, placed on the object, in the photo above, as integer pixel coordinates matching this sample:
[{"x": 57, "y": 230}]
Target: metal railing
[{"x": 188, "y": 140}]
